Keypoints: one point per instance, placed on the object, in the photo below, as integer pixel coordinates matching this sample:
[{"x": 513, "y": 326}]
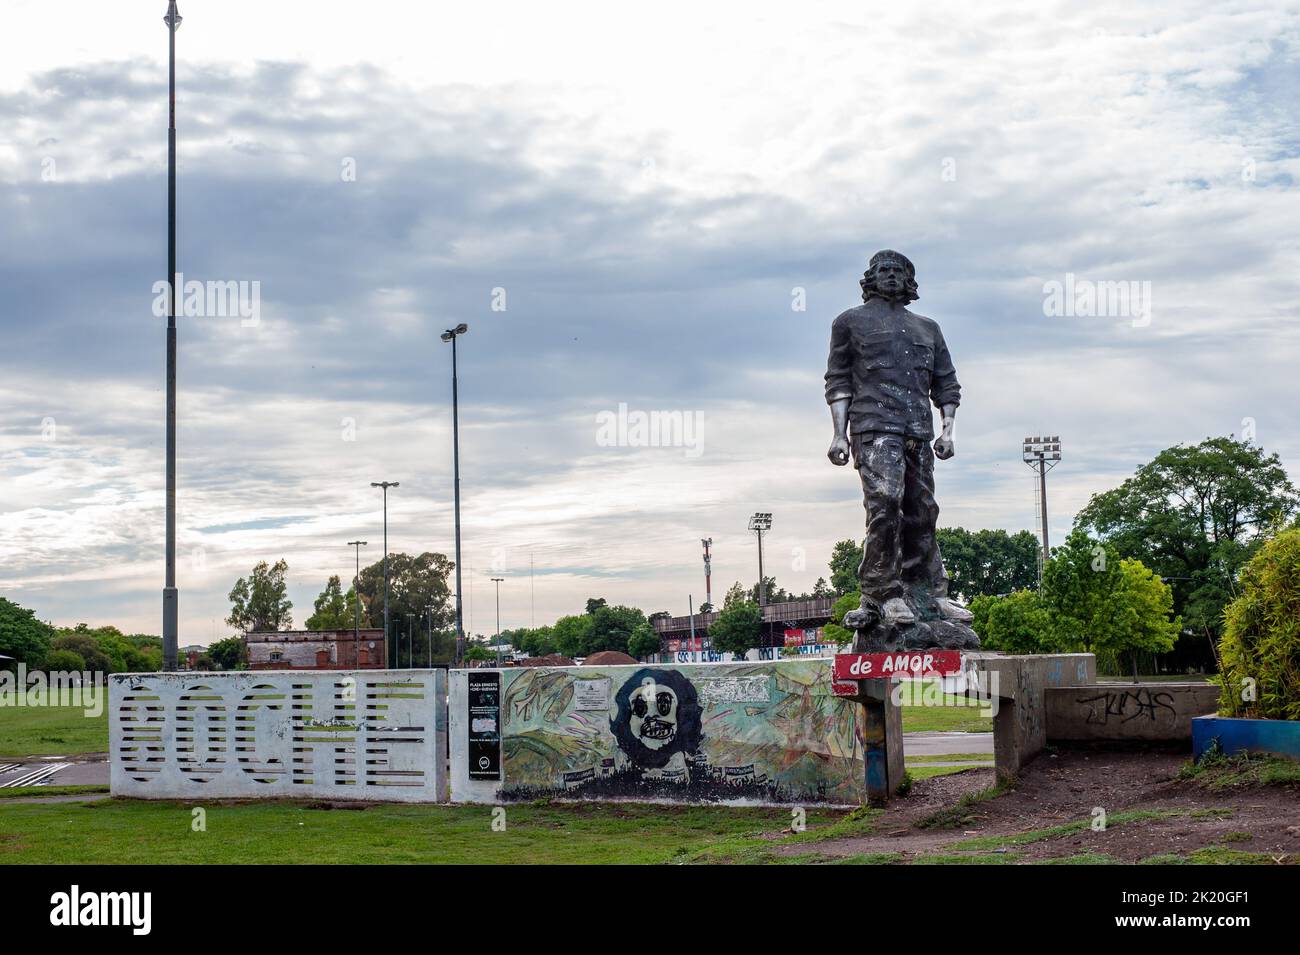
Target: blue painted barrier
[{"x": 1280, "y": 737}]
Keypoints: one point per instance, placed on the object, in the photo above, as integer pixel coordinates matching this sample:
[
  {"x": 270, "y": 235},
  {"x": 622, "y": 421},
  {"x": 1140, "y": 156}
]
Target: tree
[
  {"x": 612, "y": 628},
  {"x": 988, "y": 561},
  {"x": 594, "y": 604},
  {"x": 1140, "y": 615},
  {"x": 538, "y": 642},
  {"x": 229, "y": 654},
  {"x": 1077, "y": 584},
  {"x": 334, "y": 609},
  {"x": 737, "y": 628},
  {"x": 1195, "y": 515},
  {"x": 845, "y": 558},
  {"x": 1014, "y": 623},
  {"x": 260, "y": 602},
  {"x": 65, "y": 661},
  {"x": 571, "y": 634},
  {"x": 418, "y": 586},
  {"x": 478, "y": 652},
  {"x": 22, "y": 636},
  {"x": 736, "y": 593},
  {"x": 644, "y": 641},
  {"x": 1259, "y": 654},
  {"x": 835, "y": 632},
  {"x": 87, "y": 648}
]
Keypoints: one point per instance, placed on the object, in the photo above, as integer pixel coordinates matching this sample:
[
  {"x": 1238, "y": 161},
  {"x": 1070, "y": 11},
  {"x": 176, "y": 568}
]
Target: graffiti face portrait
[
  {"x": 658, "y": 715},
  {"x": 654, "y": 714}
]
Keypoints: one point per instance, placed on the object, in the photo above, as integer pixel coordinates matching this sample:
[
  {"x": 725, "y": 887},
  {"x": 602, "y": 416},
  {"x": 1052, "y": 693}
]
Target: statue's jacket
[{"x": 891, "y": 364}]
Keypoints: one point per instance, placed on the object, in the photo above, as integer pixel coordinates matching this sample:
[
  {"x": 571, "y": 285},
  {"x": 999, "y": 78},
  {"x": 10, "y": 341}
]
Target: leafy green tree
[
  {"x": 835, "y": 632},
  {"x": 334, "y": 610},
  {"x": 988, "y": 561},
  {"x": 1077, "y": 584},
  {"x": 1140, "y": 615},
  {"x": 735, "y": 594},
  {"x": 1195, "y": 515},
  {"x": 479, "y": 652},
  {"x": 1014, "y": 623},
  {"x": 571, "y": 634},
  {"x": 22, "y": 636},
  {"x": 416, "y": 585},
  {"x": 612, "y": 628},
  {"x": 644, "y": 641},
  {"x": 737, "y": 628},
  {"x": 65, "y": 661},
  {"x": 1259, "y": 653},
  {"x": 845, "y": 558},
  {"x": 87, "y": 648},
  {"x": 260, "y": 602},
  {"x": 229, "y": 654},
  {"x": 594, "y": 604},
  {"x": 538, "y": 642}
]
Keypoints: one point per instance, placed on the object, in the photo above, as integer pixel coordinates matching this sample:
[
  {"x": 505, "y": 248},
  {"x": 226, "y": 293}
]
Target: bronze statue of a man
[{"x": 887, "y": 365}]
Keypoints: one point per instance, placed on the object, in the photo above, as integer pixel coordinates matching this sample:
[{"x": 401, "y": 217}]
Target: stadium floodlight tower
[
  {"x": 1042, "y": 453},
  {"x": 760, "y": 522}
]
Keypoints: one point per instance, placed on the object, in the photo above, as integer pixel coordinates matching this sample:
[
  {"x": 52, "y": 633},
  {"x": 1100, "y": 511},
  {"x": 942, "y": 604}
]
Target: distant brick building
[{"x": 316, "y": 650}]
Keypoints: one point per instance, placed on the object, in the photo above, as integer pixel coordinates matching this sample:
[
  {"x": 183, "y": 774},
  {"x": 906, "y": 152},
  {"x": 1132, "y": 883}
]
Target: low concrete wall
[
  {"x": 769, "y": 732},
  {"x": 1128, "y": 711},
  {"x": 279, "y": 734},
  {"x": 1020, "y": 683},
  {"x": 1276, "y": 737}
]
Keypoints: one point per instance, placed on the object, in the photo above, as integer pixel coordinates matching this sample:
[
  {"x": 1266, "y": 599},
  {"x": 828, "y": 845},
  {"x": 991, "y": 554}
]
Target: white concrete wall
[{"x": 279, "y": 734}]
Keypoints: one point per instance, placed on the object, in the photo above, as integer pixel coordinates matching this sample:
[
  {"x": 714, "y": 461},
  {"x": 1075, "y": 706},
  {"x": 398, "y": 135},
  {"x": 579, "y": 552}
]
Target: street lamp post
[
  {"x": 410, "y": 641},
  {"x": 450, "y": 335},
  {"x": 356, "y": 590},
  {"x": 385, "y": 485},
  {"x": 170, "y": 594},
  {"x": 760, "y": 522},
  {"x": 497, "y": 581}
]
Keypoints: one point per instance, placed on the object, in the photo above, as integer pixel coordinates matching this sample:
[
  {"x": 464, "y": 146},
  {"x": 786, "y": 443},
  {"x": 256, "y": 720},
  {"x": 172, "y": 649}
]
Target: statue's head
[{"x": 890, "y": 275}]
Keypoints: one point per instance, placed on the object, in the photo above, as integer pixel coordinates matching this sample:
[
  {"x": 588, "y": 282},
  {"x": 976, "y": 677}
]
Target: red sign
[{"x": 879, "y": 666}]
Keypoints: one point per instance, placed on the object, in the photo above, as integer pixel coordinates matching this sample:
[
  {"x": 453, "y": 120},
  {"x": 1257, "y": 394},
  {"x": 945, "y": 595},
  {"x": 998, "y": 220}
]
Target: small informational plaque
[
  {"x": 484, "y": 725},
  {"x": 591, "y": 695}
]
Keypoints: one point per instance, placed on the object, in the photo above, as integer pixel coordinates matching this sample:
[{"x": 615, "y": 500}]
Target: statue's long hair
[{"x": 868, "y": 282}]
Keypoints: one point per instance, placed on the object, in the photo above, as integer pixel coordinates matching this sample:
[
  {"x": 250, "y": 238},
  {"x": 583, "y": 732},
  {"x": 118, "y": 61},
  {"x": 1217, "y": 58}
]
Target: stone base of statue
[{"x": 929, "y": 631}]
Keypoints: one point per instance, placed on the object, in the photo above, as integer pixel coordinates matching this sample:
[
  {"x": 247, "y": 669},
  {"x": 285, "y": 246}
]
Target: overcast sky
[{"x": 653, "y": 192}]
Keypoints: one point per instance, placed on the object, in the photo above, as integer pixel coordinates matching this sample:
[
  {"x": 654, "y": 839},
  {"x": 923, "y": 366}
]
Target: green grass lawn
[
  {"x": 957, "y": 714},
  {"x": 123, "y": 831},
  {"x": 52, "y": 730}
]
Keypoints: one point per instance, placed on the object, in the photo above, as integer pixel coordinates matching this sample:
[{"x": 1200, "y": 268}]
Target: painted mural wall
[{"x": 766, "y": 732}]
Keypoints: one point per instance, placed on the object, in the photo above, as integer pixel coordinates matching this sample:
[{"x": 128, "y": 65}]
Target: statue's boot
[
  {"x": 949, "y": 609},
  {"x": 896, "y": 612}
]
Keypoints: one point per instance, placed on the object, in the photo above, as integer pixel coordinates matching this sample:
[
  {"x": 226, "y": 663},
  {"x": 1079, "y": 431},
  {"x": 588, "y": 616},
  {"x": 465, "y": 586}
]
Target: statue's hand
[
  {"x": 943, "y": 448},
  {"x": 839, "y": 451}
]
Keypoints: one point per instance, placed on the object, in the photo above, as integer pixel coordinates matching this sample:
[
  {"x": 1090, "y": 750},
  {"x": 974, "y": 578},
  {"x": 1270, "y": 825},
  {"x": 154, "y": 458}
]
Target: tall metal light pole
[
  {"x": 708, "y": 571},
  {"x": 386, "y": 485},
  {"x": 497, "y": 581},
  {"x": 410, "y": 640},
  {"x": 761, "y": 521},
  {"x": 450, "y": 335},
  {"x": 356, "y": 590},
  {"x": 170, "y": 595},
  {"x": 1042, "y": 453}
]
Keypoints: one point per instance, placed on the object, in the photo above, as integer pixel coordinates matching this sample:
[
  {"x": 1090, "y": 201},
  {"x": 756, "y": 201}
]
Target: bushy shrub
[{"x": 1259, "y": 654}]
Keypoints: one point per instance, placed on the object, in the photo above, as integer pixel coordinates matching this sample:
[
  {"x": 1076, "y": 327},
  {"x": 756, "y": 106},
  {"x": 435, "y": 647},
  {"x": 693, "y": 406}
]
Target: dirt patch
[{"x": 1149, "y": 810}]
